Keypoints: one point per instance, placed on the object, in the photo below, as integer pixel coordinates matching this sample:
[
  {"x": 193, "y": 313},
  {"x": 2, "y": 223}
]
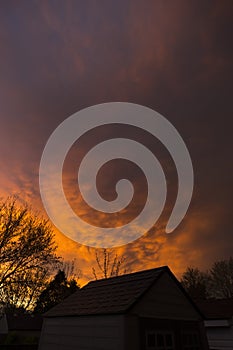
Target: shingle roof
[
  {"x": 216, "y": 308},
  {"x": 108, "y": 296}
]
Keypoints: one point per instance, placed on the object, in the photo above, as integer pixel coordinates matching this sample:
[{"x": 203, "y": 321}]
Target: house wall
[
  {"x": 178, "y": 329},
  {"x": 83, "y": 333},
  {"x": 164, "y": 307},
  {"x": 165, "y": 300},
  {"x": 132, "y": 332},
  {"x": 219, "y": 336}
]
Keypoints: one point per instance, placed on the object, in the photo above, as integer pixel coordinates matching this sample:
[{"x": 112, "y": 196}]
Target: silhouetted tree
[
  {"x": 56, "y": 291},
  {"x": 108, "y": 266},
  {"x": 27, "y": 254},
  {"x": 221, "y": 278},
  {"x": 195, "y": 282},
  {"x": 217, "y": 282},
  {"x": 70, "y": 269}
]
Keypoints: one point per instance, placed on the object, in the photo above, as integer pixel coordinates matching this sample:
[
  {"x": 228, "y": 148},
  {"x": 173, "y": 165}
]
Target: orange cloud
[{"x": 173, "y": 57}]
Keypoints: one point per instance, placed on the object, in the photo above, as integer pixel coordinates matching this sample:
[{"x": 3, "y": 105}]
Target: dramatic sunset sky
[{"x": 58, "y": 57}]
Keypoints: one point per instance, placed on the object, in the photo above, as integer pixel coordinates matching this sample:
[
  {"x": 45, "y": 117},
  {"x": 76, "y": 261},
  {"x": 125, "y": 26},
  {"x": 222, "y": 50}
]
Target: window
[
  {"x": 159, "y": 340},
  {"x": 190, "y": 340}
]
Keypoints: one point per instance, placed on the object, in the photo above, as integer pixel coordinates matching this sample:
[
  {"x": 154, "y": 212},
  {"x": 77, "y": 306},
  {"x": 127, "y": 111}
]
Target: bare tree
[
  {"x": 221, "y": 278},
  {"x": 217, "y": 282},
  {"x": 27, "y": 253},
  {"x": 108, "y": 265},
  {"x": 195, "y": 282},
  {"x": 70, "y": 269}
]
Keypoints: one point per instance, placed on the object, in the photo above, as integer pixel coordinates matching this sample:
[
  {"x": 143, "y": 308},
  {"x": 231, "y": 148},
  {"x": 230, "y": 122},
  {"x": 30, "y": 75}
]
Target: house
[
  {"x": 218, "y": 322},
  {"x": 3, "y": 326},
  {"x": 145, "y": 310},
  {"x": 20, "y": 331}
]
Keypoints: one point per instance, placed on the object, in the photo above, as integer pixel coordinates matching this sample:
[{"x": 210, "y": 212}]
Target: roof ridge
[{"x": 131, "y": 275}]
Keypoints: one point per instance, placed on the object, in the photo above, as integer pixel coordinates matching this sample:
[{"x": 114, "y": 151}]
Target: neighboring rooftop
[
  {"x": 108, "y": 296},
  {"x": 24, "y": 322},
  {"x": 216, "y": 308}
]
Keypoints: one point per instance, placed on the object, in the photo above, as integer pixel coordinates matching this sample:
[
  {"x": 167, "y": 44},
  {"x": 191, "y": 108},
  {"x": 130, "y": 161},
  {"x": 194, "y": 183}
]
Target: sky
[{"x": 175, "y": 57}]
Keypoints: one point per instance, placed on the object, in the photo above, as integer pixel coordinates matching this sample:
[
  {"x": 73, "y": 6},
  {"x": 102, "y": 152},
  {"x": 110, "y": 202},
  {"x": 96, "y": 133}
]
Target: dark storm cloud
[{"x": 58, "y": 57}]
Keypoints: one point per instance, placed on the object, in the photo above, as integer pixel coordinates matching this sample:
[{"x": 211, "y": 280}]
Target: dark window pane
[
  {"x": 191, "y": 341},
  {"x": 195, "y": 339},
  {"x": 160, "y": 340},
  {"x": 150, "y": 339},
  {"x": 168, "y": 338},
  {"x": 185, "y": 339}
]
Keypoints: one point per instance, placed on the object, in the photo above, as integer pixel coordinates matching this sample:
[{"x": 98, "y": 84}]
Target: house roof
[
  {"x": 24, "y": 322},
  {"x": 216, "y": 308},
  {"x": 107, "y": 296},
  {"x": 114, "y": 295}
]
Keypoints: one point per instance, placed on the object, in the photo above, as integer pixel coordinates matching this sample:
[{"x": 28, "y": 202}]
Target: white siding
[
  {"x": 220, "y": 338},
  {"x": 83, "y": 333},
  {"x": 165, "y": 300}
]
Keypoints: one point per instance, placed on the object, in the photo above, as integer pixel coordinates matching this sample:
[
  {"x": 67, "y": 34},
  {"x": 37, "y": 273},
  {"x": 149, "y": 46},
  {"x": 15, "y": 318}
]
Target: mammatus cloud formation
[{"x": 174, "y": 57}]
